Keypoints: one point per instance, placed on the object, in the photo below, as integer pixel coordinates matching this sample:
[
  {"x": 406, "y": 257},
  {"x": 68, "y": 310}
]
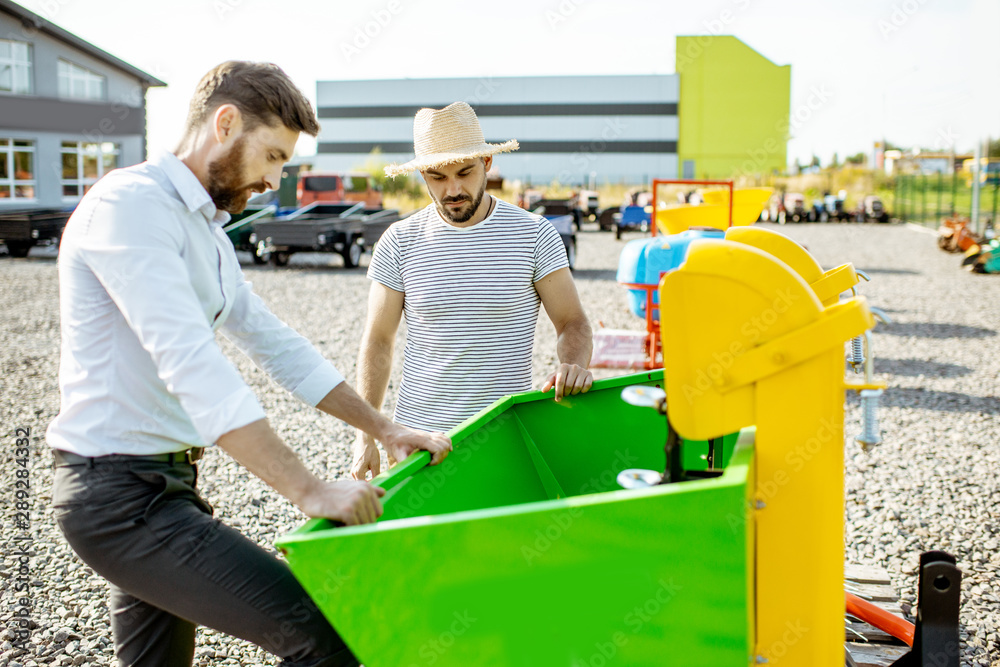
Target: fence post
[
  {"x": 907, "y": 189},
  {"x": 976, "y": 171},
  {"x": 954, "y": 185},
  {"x": 902, "y": 196},
  {"x": 993, "y": 218},
  {"x": 923, "y": 199},
  {"x": 897, "y": 201},
  {"x": 937, "y": 213}
]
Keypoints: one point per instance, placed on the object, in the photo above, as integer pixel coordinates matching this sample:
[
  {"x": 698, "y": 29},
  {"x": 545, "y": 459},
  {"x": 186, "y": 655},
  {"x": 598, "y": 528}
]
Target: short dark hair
[{"x": 261, "y": 91}]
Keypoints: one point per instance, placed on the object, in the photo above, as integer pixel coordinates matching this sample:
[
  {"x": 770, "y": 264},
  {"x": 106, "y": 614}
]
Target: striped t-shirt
[{"x": 470, "y": 306}]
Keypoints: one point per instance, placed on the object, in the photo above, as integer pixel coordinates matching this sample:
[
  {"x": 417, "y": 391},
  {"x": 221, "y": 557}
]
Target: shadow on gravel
[
  {"x": 300, "y": 268},
  {"x": 935, "y": 330},
  {"x": 892, "y": 272},
  {"x": 942, "y": 401},
  {"x": 31, "y": 259},
  {"x": 595, "y": 274},
  {"x": 918, "y": 367}
]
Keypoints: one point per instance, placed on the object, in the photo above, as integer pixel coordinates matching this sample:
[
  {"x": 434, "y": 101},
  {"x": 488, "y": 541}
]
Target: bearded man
[
  {"x": 146, "y": 278},
  {"x": 468, "y": 272}
]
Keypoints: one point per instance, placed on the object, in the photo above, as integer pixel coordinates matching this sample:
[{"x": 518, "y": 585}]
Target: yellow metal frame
[
  {"x": 828, "y": 285},
  {"x": 760, "y": 343}
]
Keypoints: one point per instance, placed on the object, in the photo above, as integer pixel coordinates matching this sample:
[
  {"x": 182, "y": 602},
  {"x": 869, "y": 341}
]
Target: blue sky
[{"x": 918, "y": 72}]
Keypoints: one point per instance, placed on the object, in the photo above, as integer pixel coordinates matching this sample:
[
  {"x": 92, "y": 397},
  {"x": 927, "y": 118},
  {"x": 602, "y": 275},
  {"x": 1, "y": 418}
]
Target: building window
[
  {"x": 15, "y": 67},
  {"x": 17, "y": 170},
  {"x": 84, "y": 163},
  {"x": 78, "y": 83}
]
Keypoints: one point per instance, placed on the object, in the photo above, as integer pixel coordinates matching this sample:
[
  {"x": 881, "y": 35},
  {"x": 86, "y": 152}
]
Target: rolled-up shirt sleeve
[
  {"x": 140, "y": 264},
  {"x": 285, "y": 355}
]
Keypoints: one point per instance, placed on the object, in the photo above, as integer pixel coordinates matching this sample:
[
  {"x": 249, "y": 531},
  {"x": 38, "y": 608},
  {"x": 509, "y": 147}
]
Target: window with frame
[
  {"x": 17, "y": 169},
  {"x": 83, "y": 164},
  {"x": 15, "y": 67},
  {"x": 78, "y": 83}
]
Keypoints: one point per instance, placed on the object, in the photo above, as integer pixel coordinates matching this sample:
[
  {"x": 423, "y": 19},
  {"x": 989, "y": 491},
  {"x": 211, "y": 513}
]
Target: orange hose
[{"x": 896, "y": 626}]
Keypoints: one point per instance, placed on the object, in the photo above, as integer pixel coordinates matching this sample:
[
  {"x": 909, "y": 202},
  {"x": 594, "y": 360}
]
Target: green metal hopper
[{"x": 521, "y": 548}]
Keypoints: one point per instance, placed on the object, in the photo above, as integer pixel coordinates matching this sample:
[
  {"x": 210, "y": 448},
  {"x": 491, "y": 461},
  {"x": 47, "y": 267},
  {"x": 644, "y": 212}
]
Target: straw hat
[{"x": 446, "y": 136}]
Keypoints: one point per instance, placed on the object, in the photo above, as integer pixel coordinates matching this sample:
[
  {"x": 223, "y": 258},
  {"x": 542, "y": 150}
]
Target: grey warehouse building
[
  {"x": 69, "y": 112},
  {"x": 574, "y": 129}
]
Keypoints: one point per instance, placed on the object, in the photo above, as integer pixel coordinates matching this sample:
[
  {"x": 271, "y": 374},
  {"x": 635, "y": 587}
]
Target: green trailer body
[{"x": 521, "y": 549}]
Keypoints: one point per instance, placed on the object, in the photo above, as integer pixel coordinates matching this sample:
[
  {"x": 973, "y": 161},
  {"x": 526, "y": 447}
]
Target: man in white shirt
[
  {"x": 147, "y": 276},
  {"x": 469, "y": 273}
]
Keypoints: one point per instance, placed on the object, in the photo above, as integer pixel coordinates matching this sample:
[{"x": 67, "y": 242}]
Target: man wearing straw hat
[{"x": 468, "y": 272}]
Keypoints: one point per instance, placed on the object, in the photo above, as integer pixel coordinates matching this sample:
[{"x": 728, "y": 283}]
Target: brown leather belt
[{"x": 189, "y": 456}]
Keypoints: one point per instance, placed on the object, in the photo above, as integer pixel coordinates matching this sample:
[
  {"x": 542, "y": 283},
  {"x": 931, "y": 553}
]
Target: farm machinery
[
  {"x": 644, "y": 261},
  {"x": 956, "y": 235},
  {"x": 688, "y": 515},
  {"x": 981, "y": 252},
  {"x": 983, "y": 257}
]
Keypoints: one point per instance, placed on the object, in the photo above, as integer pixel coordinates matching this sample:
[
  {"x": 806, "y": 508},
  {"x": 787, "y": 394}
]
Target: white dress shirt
[{"x": 146, "y": 278}]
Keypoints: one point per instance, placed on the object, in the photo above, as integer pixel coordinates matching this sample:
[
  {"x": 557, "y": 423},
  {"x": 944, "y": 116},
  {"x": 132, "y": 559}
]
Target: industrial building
[
  {"x": 725, "y": 111},
  {"x": 69, "y": 112}
]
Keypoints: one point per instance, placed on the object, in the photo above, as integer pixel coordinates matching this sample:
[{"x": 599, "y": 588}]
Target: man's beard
[
  {"x": 225, "y": 180},
  {"x": 462, "y": 215}
]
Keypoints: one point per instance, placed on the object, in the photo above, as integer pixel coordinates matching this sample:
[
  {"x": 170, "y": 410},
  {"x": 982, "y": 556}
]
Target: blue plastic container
[{"x": 644, "y": 261}]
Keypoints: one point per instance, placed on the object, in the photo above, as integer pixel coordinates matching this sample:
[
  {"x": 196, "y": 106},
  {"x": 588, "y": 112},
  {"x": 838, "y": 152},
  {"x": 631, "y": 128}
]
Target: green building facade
[{"x": 733, "y": 109}]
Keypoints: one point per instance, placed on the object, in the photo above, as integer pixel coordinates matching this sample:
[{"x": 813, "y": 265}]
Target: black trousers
[{"x": 142, "y": 526}]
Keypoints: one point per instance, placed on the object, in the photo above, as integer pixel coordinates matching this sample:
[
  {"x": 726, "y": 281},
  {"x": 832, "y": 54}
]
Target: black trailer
[
  {"x": 22, "y": 229},
  {"x": 320, "y": 227}
]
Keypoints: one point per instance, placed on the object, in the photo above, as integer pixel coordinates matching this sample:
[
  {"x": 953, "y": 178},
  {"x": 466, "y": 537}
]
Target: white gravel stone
[{"x": 932, "y": 484}]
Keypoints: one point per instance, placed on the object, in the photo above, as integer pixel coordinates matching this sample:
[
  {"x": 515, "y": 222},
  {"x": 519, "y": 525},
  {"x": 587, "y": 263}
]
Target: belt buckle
[{"x": 194, "y": 454}]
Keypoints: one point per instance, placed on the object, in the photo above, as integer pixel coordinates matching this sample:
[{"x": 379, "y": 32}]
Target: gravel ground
[{"x": 933, "y": 484}]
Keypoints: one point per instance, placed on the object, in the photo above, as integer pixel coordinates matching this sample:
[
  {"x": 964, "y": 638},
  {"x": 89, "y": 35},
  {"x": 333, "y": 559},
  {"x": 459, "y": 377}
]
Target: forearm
[
  {"x": 374, "y": 368},
  {"x": 259, "y": 449},
  {"x": 575, "y": 343},
  {"x": 374, "y": 364},
  {"x": 345, "y": 404},
  {"x": 399, "y": 441}
]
